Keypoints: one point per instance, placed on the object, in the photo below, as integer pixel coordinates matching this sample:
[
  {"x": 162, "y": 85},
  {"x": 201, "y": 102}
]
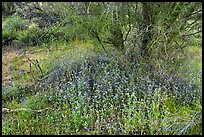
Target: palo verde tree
[
  {"x": 163, "y": 28},
  {"x": 173, "y": 25},
  {"x": 158, "y": 27},
  {"x": 107, "y": 22}
]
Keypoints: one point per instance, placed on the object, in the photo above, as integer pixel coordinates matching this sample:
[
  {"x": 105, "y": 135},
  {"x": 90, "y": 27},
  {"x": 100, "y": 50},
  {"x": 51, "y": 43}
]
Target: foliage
[
  {"x": 10, "y": 27},
  {"x": 7, "y": 8},
  {"x": 30, "y": 35},
  {"x": 66, "y": 85},
  {"x": 15, "y": 23},
  {"x": 44, "y": 14},
  {"x": 104, "y": 95}
]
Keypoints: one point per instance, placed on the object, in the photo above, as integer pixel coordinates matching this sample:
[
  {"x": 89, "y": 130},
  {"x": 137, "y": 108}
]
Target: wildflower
[
  {"x": 115, "y": 96},
  {"x": 10, "y": 69},
  {"x": 5, "y": 88},
  {"x": 23, "y": 99},
  {"x": 22, "y": 71},
  {"x": 11, "y": 83}
]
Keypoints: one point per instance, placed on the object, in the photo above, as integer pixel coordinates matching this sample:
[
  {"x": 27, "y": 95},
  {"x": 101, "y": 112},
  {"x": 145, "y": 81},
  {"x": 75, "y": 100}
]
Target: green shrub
[
  {"x": 8, "y": 36},
  {"x": 15, "y": 23},
  {"x": 11, "y": 27},
  {"x": 70, "y": 32},
  {"x": 30, "y": 35}
]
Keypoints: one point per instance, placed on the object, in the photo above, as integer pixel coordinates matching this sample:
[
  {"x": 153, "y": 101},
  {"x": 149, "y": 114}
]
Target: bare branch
[
  {"x": 196, "y": 12},
  {"x": 97, "y": 36},
  {"x": 127, "y": 33},
  {"x": 195, "y": 21},
  {"x": 38, "y": 65},
  {"x": 187, "y": 35}
]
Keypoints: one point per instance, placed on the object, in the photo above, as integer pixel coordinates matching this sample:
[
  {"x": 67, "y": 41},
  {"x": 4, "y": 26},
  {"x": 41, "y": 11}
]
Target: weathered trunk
[
  {"x": 117, "y": 35},
  {"x": 146, "y": 29}
]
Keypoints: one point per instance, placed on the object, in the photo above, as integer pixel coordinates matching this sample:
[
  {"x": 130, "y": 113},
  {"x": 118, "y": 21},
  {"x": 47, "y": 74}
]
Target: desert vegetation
[{"x": 98, "y": 68}]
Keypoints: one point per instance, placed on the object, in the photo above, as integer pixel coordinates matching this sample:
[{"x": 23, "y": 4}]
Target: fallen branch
[{"x": 7, "y": 110}]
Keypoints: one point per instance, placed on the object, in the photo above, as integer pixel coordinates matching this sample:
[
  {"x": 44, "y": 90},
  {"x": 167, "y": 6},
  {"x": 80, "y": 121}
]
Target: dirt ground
[{"x": 8, "y": 54}]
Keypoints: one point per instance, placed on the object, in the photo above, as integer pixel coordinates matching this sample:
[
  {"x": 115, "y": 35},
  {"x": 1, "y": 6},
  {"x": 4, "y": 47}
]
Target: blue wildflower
[
  {"x": 11, "y": 83},
  {"x": 23, "y": 99},
  {"x": 10, "y": 69},
  {"x": 5, "y": 88},
  {"x": 22, "y": 71}
]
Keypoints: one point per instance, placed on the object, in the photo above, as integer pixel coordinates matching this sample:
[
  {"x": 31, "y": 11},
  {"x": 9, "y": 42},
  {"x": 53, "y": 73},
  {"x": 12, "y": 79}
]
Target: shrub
[
  {"x": 10, "y": 28},
  {"x": 15, "y": 23},
  {"x": 8, "y": 37},
  {"x": 111, "y": 76},
  {"x": 30, "y": 35}
]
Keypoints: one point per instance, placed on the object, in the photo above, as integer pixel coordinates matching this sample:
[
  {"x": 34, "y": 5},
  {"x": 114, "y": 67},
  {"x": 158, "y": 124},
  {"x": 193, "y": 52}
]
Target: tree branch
[
  {"x": 195, "y": 21},
  {"x": 127, "y": 33},
  {"x": 194, "y": 13},
  {"x": 96, "y": 35},
  {"x": 187, "y": 35}
]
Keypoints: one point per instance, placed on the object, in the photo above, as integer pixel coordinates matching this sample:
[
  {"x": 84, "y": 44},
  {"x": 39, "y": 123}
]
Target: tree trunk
[
  {"x": 146, "y": 29},
  {"x": 117, "y": 35}
]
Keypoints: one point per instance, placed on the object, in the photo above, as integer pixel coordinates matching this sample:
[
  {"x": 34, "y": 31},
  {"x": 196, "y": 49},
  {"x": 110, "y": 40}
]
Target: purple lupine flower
[
  {"x": 10, "y": 69},
  {"x": 5, "y": 88},
  {"x": 11, "y": 83},
  {"x": 22, "y": 71},
  {"x": 23, "y": 99}
]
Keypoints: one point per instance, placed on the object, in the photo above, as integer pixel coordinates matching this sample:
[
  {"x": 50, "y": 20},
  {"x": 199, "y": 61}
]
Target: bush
[
  {"x": 15, "y": 23},
  {"x": 8, "y": 37},
  {"x": 111, "y": 76},
  {"x": 70, "y": 32},
  {"x": 11, "y": 27},
  {"x": 118, "y": 99},
  {"x": 30, "y": 35}
]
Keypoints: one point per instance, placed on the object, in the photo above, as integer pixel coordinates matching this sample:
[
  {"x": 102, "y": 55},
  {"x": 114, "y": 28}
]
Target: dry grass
[
  {"x": 7, "y": 56},
  {"x": 195, "y": 53},
  {"x": 10, "y": 56}
]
